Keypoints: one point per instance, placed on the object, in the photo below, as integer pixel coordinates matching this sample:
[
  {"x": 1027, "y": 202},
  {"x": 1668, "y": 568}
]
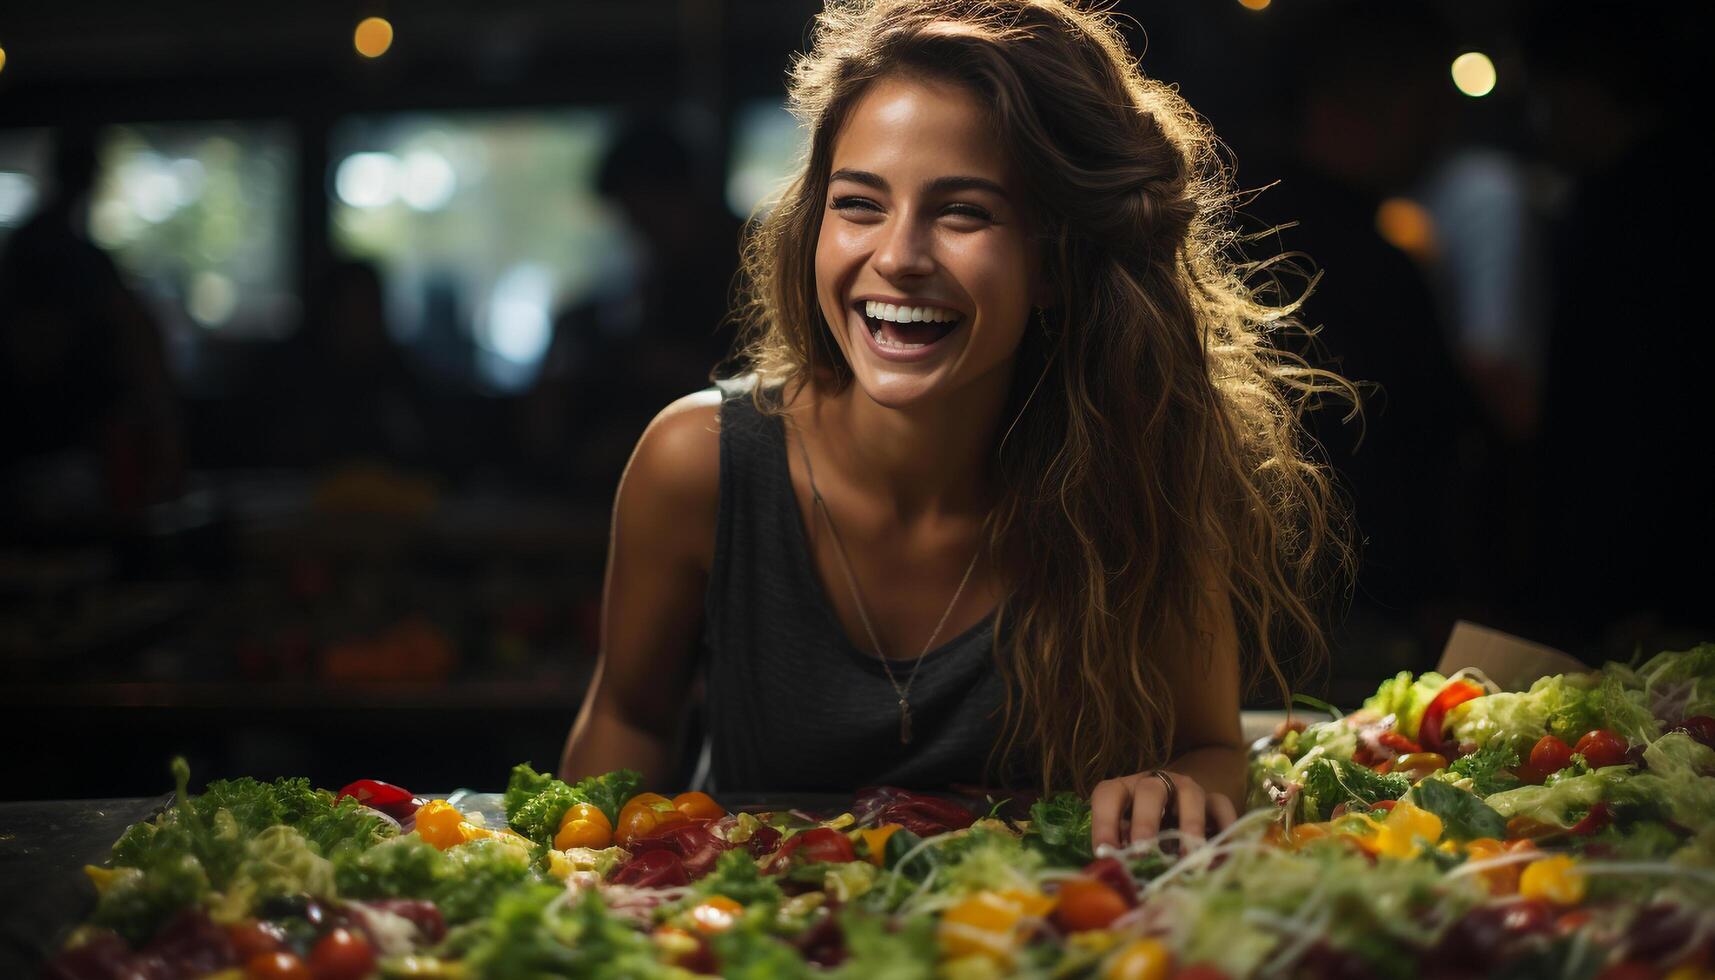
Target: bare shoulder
[{"x": 673, "y": 479}]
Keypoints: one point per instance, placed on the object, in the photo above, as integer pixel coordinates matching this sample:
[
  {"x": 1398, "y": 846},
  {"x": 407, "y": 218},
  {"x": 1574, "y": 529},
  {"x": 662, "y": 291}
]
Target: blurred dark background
[{"x": 318, "y": 369}]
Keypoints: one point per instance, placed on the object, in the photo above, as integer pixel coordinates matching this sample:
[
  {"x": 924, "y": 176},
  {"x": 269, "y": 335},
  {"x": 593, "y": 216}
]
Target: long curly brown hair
[{"x": 1158, "y": 447}]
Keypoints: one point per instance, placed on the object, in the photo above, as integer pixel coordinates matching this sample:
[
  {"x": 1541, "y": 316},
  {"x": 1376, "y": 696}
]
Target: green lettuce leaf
[
  {"x": 1560, "y": 704},
  {"x": 877, "y": 953},
  {"x": 1680, "y": 685},
  {"x": 1405, "y": 698},
  {"x": 737, "y": 876}
]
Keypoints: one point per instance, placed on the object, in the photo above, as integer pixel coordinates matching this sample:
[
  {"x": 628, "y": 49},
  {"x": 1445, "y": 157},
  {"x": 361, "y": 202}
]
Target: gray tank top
[{"x": 792, "y": 703}]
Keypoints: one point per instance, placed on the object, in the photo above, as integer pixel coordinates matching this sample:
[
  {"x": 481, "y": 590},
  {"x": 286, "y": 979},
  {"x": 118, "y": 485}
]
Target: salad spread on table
[{"x": 1446, "y": 829}]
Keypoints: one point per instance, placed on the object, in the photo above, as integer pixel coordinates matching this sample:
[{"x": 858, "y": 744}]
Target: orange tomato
[
  {"x": 645, "y": 814},
  {"x": 1144, "y": 959},
  {"x": 1086, "y": 903},
  {"x": 717, "y": 913},
  {"x": 698, "y": 806},
  {"x": 584, "y": 825}
]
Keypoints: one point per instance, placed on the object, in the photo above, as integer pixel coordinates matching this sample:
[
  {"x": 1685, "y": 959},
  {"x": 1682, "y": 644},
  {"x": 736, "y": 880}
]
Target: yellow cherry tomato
[
  {"x": 439, "y": 822},
  {"x": 877, "y": 841},
  {"x": 645, "y": 814},
  {"x": 986, "y": 924},
  {"x": 698, "y": 806},
  {"x": 716, "y": 913},
  {"x": 1145, "y": 959},
  {"x": 584, "y": 825},
  {"x": 1556, "y": 879}
]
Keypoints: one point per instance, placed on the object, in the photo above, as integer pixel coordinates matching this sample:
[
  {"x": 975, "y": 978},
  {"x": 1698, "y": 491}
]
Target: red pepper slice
[
  {"x": 1595, "y": 820},
  {"x": 395, "y": 801},
  {"x": 1399, "y": 743},
  {"x": 1429, "y": 729}
]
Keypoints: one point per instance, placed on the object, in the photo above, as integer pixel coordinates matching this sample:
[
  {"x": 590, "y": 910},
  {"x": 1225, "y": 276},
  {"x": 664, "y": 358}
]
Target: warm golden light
[
  {"x": 374, "y": 36},
  {"x": 1254, "y": 4},
  {"x": 1407, "y": 226},
  {"x": 1474, "y": 74},
  {"x": 2, "y": 59}
]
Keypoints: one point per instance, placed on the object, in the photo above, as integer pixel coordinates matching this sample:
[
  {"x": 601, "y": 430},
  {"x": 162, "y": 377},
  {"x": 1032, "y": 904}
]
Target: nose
[{"x": 904, "y": 250}]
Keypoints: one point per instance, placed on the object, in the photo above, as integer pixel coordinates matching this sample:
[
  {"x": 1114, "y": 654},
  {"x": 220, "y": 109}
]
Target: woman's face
[{"x": 924, "y": 223}]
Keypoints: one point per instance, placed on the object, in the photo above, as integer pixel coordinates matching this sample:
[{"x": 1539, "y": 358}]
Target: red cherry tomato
[
  {"x": 1454, "y": 693},
  {"x": 1601, "y": 748},
  {"x": 1699, "y": 727},
  {"x": 342, "y": 955},
  {"x": 1550, "y": 755},
  {"x": 252, "y": 938},
  {"x": 276, "y": 966},
  {"x": 816, "y": 844},
  {"x": 1201, "y": 971},
  {"x": 825, "y": 844}
]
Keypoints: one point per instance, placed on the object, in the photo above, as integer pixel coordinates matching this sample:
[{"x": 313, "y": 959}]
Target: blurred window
[
  {"x": 23, "y": 175},
  {"x": 767, "y": 144},
  {"x": 484, "y": 225},
  {"x": 200, "y": 215}
]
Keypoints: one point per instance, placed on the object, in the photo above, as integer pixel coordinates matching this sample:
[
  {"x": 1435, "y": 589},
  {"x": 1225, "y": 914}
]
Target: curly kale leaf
[
  {"x": 1062, "y": 824},
  {"x": 1487, "y": 767},
  {"x": 1329, "y": 783}
]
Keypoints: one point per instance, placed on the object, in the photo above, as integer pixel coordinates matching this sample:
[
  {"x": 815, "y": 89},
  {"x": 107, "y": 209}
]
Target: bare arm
[
  {"x": 659, "y": 554},
  {"x": 1208, "y": 768}
]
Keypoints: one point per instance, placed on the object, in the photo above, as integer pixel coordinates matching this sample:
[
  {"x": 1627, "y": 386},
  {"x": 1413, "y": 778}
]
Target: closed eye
[{"x": 865, "y": 204}]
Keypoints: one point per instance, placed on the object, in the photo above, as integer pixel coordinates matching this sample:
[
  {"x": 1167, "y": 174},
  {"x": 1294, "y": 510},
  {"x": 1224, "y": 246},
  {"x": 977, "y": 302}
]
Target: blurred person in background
[
  {"x": 1368, "y": 115},
  {"x": 617, "y": 357},
  {"x": 89, "y": 421},
  {"x": 341, "y": 389}
]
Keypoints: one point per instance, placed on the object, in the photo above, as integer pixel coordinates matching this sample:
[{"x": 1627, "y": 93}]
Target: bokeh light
[
  {"x": 373, "y": 37},
  {"x": 1254, "y": 4},
  {"x": 1474, "y": 74},
  {"x": 367, "y": 180},
  {"x": 1407, "y": 226},
  {"x": 2, "y": 59}
]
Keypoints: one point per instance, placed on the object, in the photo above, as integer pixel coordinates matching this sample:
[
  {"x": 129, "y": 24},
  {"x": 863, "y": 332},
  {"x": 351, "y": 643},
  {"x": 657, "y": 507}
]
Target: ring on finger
[{"x": 1172, "y": 789}]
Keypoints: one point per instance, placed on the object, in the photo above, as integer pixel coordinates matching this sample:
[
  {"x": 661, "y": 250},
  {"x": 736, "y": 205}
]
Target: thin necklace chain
[{"x": 904, "y": 692}]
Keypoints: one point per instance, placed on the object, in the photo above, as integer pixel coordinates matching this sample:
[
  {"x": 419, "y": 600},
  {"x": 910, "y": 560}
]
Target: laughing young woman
[{"x": 1012, "y": 488}]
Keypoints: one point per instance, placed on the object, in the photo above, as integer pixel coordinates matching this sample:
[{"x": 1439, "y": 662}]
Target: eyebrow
[{"x": 938, "y": 185}]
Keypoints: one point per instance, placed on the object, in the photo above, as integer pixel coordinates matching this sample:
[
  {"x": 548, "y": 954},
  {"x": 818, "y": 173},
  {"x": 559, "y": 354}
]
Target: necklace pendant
[{"x": 904, "y": 722}]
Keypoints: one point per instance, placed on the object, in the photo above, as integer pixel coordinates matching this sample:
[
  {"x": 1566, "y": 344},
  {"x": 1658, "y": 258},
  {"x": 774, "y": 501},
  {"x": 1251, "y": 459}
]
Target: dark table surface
[{"x": 43, "y": 848}]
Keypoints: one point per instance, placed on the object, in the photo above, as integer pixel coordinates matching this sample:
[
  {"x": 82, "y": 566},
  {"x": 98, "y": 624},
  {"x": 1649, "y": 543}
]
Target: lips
[{"x": 904, "y": 342}]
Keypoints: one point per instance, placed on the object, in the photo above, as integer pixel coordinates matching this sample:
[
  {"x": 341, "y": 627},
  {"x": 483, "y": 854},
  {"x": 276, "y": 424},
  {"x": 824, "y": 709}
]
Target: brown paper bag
[{"x": 1509, "y": 661}]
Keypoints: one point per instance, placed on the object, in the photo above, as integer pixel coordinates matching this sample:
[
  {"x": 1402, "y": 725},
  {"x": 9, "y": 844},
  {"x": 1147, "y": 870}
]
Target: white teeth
[{"x": 909, "y": 314}]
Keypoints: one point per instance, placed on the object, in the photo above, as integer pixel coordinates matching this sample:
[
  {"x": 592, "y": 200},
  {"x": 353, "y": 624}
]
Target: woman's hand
[{"x": 1133, "y": 808}]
